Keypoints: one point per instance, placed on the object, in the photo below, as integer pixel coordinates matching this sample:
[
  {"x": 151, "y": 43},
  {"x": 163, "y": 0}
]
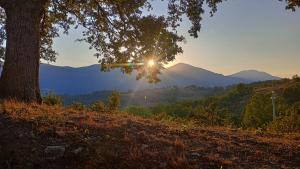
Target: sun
[{"x": 151, "y": 63}]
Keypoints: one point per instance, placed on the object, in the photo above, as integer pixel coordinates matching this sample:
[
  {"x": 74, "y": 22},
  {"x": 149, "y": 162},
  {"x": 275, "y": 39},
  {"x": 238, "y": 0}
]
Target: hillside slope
[{"x": 65, "y": 138}]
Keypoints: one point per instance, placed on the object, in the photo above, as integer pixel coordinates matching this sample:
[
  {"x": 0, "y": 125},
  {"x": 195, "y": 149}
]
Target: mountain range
[
  {"x": 73, "y": 81},
  {"x": 254, "y": 75}
]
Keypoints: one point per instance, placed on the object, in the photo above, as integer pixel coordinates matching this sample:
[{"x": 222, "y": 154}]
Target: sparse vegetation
[
  {"x": 93, "y": 140},
  {"x": 186, "y": 134}
]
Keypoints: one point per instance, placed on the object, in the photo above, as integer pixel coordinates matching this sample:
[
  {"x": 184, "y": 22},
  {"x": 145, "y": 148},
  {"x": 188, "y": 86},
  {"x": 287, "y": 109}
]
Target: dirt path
[{"x": 119, "y": 141}]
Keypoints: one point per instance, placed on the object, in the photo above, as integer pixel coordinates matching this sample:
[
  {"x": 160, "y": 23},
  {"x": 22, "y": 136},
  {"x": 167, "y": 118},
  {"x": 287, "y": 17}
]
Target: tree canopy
[
  {"x": 118, "y": 29},
  {"x": 121, "y": 31}
]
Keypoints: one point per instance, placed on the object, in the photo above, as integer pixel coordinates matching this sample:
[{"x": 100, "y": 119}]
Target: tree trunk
[{"x": 20, "y": 75}]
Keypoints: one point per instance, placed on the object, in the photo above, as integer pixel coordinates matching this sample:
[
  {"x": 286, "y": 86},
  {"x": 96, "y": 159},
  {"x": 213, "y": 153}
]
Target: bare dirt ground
[{"x": 49, "y": 138}]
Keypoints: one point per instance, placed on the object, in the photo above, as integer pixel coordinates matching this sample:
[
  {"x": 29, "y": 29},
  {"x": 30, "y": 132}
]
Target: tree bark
[{"x": 20, "y": 75}]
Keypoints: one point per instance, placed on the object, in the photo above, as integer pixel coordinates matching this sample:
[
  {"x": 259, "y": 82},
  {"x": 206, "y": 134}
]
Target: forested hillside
[
  {"x": 247, "y": 106},
  {"x": 148, "y": 97}
]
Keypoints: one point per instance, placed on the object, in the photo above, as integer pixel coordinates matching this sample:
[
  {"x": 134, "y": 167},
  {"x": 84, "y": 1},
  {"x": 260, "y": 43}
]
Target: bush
[
  {"x": 139, "y": 111},
  {"x": 78, "y": 106},
  {"x": 98, "y": 106},
  {"x": 114, "y": 101},
  {"x": 207, "y": 116},
  {"x": 285, "y": 124},
  {"x": 289, "y": 122},
  {"x": 296, "y": 78},
  {"x": 177, "y": 110},
  {"x": 292, "y": 93},
  {"x": 51, "y": 100},
  {"x": 259, "y": 110}
]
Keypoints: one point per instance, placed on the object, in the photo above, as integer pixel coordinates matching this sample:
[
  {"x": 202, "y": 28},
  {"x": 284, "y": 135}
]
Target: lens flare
[{"x": 151, "y": 63}]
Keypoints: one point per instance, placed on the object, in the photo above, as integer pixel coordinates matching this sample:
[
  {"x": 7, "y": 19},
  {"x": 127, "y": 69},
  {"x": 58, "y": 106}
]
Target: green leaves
[
  {"x": 292, "y": 4},
  {"x": 120, "y": 31}
]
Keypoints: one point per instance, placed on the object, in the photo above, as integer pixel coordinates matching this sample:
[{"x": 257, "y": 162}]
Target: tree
[
  {"x": 98, "y": 106},
  {"x": 114, "y": 101},
  {"x": 296, "y": 78},
  {"x": 292, "y": 92},
  {"x": 117, "y": 29},
  {"x": 259, "y": 110}
]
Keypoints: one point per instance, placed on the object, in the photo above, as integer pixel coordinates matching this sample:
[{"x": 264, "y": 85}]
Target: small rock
[
  {"x": 54, "y": 152},
  {"x": 195, "y": 155},
  {"x": 69, "y": 122},
  {"x": 33, "y": 150},
  {"x": 20, "y": 135},
  {"x": 92, "y": 138},
  {"x": 78, "y": 150},
  {"x": 32, "y": 134},
  {"x": 144, "y": 146},
  {"x": 60, "y": 133},
  {"x": 107, "y": 136}
]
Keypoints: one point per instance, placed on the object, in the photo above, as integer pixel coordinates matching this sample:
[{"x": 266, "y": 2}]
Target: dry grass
[{"x": 94, "y": 140}]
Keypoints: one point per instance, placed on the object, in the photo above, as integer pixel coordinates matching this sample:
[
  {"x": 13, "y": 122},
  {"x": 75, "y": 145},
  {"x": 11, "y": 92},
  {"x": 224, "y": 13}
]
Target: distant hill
[
  {"x": 148, "y": 97},
  {"x": 254, "y": 76},
  {"x": 74, "y": 81},
  {"x": 68, "y": 80},
  {"x": 186, "y": 75}
]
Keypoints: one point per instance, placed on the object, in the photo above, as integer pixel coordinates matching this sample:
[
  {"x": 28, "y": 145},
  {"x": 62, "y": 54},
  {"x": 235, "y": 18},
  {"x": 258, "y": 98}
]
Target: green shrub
[
  {"x": 139, "y": 111},
  {"x": 51, "y": 99},
  {"x": 285, "y": 124},
  {"x": 292, "y": 93},
  {"x": 78, "y": 106},
  {"x": 207, "y": 116},
  {"x": 114, "y": 101},
  {"x": 259, "y": 110},
  {"x": 98, "y": 106},
  {"x": 177, "y": 110},
  {"x": 288, "y": 122}
]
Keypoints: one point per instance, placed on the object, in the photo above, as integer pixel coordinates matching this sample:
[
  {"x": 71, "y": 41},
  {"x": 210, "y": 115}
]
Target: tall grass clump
[
  {"x": 52, "y": 100},
  {"x": 98, "y": 106},
  {"x": 78, "y": 106},
  {"x": 114, "y": 101}
]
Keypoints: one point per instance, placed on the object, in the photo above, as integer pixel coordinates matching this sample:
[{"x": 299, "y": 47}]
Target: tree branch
[{"x": 2, "y": 3}]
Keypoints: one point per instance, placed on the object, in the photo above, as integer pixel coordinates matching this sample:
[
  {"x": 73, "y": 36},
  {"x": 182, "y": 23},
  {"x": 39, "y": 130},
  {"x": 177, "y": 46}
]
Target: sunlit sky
[{"x": 243, "y": 34}]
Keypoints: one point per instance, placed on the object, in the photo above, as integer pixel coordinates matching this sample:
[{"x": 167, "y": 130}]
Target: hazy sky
[{"x": 243, "y": 34}]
